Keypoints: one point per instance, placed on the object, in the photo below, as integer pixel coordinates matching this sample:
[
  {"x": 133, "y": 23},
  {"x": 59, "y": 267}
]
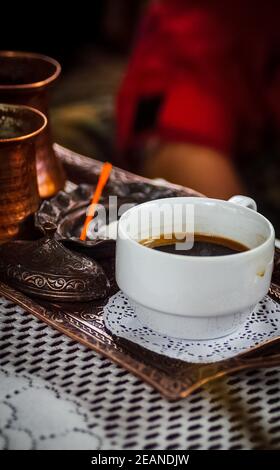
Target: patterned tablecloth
[{"x": 56, "y": 393}]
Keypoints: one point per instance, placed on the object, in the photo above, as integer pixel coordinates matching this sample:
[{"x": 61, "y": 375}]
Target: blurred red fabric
[{"x": 216, "y": 65}]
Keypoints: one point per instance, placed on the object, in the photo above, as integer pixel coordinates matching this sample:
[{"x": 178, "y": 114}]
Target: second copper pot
[{"x": 25, "y": 79}]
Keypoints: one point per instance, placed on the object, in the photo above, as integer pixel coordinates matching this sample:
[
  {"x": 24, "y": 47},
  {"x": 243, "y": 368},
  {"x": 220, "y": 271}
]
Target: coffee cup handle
[{"x": 244, "y": 201}]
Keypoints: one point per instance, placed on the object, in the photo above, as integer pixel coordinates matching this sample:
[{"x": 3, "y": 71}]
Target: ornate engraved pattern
[
  {"x": 45, "y": 268},
  {"x": 55, "y": 283},
  {"x": 83, "y": 322},
  {"x": 173, "y": 378}
]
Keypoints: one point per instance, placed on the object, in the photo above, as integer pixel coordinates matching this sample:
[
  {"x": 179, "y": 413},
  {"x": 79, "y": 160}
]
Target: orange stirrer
[{"x": 103, "y": 178}]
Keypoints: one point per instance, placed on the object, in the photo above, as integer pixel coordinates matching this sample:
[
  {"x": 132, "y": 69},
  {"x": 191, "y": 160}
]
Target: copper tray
[{"x": 83, "y": 322}]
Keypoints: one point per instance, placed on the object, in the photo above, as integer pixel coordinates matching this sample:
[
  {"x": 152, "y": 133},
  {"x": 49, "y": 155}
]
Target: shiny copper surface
[
  {"x": 174, "y": 379},
  {"x": 19, "y": 197},
  {"x": 83, "y": 321},
  {"x": 25, "y": 79}
]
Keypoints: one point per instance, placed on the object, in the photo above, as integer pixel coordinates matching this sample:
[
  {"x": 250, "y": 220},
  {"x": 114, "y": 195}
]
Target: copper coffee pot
[
  {"x": 25, "y": 79},
  {"x": 19, "y": 196}
]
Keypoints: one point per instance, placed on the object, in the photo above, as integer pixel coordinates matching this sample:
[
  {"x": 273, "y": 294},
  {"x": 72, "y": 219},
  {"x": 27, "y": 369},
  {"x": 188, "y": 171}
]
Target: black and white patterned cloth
[
  {"x": 105, "y": 407},
  {"x": 36, "y": 415}
]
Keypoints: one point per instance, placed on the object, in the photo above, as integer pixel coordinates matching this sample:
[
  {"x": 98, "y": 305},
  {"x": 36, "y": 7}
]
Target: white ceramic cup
[{"x": 196, "y": 297}]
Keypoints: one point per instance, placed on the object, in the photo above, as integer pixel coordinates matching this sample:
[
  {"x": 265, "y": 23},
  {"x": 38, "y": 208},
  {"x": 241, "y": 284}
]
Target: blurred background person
[{"x": 201, "y": 96}]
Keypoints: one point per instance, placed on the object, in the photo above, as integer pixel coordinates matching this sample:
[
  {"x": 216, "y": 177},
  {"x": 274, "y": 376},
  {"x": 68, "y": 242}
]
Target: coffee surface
[{"x": 203, "y": 245}]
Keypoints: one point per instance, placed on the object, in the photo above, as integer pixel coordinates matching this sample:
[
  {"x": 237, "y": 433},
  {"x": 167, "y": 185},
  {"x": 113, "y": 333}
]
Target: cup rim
[
  {"x": 32, "y": 55},
  {"x": 30, "y": 134},
  {"x": 250, "y": 252}
]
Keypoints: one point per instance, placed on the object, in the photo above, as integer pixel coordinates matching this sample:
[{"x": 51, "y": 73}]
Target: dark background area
[
  {"x": 61, "y": 29},
  {"x": 92, "y": 41}
]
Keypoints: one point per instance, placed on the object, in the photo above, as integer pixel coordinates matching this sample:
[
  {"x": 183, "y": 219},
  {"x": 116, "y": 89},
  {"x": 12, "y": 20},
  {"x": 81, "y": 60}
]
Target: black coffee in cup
[{"x": 203, "y": 245}]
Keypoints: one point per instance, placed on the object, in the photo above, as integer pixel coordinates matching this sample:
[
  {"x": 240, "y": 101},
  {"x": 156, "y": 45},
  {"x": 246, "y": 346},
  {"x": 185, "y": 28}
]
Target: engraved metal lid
[{"x": 45, "y": 268}]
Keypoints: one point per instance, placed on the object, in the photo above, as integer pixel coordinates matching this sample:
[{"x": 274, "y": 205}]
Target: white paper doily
[{"x": 261, "y": 325}]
